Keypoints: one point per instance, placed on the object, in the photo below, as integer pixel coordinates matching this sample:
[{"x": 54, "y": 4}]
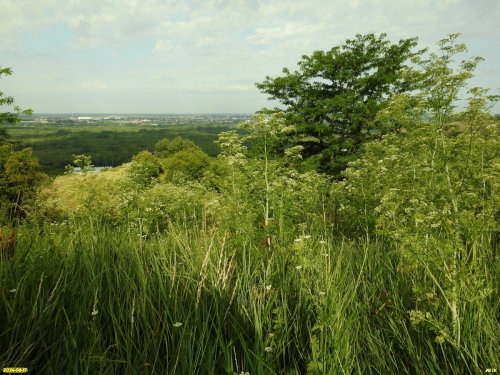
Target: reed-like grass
[{"x": 84, "y": 298}]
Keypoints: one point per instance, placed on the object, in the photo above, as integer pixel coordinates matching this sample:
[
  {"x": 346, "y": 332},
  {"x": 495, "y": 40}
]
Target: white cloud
[
  {"x": 19, "y": 16},
  {"x": 287, "y": 31},
  {"x": 93, "y": 85},
  {"x": 213, "y": 46},
  {"x": 164, "y": 45}
]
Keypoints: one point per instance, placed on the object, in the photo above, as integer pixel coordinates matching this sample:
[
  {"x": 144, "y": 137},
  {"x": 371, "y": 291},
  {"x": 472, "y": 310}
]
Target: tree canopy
[
  {"x": 334, "y": 96},
  {"x": 166, "y": 147}
]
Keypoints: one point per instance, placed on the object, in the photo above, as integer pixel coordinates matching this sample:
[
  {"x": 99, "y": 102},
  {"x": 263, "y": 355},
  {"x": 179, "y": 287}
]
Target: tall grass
[{"x": 85, "y": 298}]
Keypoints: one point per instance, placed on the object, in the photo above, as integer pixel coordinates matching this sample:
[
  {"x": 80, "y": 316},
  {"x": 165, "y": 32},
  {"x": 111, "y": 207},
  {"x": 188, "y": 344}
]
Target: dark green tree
[
  {"x": 20, "y": 172},
  {"x": 20, "y": 178},
  {"x": 334, "y": 96}
]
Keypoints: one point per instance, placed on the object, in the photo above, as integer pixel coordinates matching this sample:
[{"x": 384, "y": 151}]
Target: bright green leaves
[
  {"x": 261, "y": 179},
  {"x": 335, "y": 95},
  {"x": 144, "y": 169},
  {"x": 432, "y": 189},
  {"x": 181, "y": 158},
  {"x": 441, "y": 78},
  {"x": 267, "y": 133},
  {"x": 190, "y": 164},
  {"x": 167, "y": 147},
  {"x": 231, "y": 145}
]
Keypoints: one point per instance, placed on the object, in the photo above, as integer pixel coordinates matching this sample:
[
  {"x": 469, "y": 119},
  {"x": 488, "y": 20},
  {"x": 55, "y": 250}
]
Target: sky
[{"x": 205, "y": 56}]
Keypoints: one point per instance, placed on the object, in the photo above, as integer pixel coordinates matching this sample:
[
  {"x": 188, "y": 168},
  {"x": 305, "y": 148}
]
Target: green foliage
[
  {"x": 266, "y": 134},
  {"x": 176, "y": 159},
  {"x": 101, "y": 198},
  {"x": 432, "y": 190},
  {"x": 153, "y": 210},
  {"x": 250, "y": 265},
  {"x": 20, "y": 174},
  {"x": 204, "y": 302},
  {"x": 81, "y": 163},
  {"x": 188, "y": 163},
  {"x": 335, "y": 95},
  {"x": 9, "y": 118},
  {"x": 263, "y": 190},
  {"x": 144, "y": 169},
  {"x": 109, "y": 144},
  {"x": 166, "y": 147},
  {"x": 20, "y": 178}
]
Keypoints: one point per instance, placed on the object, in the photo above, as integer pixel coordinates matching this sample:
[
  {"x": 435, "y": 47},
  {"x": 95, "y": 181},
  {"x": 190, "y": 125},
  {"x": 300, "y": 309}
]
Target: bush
[
  {"x": 20, "y": 179},
  {"x": 144, "y": 169},
  {"x": 166, "y": 147},
  {"x": 190, "y": 164}
]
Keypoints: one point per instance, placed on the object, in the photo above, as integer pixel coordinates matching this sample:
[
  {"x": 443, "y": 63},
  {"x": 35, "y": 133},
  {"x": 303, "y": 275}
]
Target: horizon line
[{"x": 140, "y": 113}]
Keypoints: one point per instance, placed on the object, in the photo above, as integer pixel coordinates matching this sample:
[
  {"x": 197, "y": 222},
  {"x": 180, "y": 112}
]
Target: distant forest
[{"x": 109, "y": 144}]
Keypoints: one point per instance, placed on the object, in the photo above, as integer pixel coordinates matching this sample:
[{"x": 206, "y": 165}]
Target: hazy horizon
[{"x": 143, "y": 113}]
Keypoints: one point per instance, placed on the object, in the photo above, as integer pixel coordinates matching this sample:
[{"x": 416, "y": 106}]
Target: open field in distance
[{"x": 113, "y": 139}]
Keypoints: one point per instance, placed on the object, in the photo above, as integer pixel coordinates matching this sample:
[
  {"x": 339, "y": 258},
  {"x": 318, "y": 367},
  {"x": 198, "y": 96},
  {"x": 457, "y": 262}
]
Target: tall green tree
[{"x": 334, "y": 96}]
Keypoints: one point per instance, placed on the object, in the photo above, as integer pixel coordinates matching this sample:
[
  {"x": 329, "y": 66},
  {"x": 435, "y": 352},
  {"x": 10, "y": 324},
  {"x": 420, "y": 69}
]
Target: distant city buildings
[{"x": 138, "y": 119}]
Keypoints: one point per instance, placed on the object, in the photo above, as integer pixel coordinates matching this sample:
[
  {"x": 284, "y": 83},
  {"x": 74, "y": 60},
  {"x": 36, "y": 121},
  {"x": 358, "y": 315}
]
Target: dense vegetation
[
  {"x": 108, "y": 144},
  {"x": 334, "y": 97},
  {"x": 251, "y": 262}
]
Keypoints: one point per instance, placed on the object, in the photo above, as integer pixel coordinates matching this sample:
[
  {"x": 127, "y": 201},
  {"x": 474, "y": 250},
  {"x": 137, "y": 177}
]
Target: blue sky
[{"x": 204, "y": 56}]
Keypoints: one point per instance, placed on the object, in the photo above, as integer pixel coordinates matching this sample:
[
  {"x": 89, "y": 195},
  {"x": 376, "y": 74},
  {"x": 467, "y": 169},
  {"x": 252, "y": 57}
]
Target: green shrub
[
  {"x": 166, "y": 147},
  {"x": 190, "y": 164},
  {"x": 20, "y": 179},
  {"x": 144, "y": 169}
]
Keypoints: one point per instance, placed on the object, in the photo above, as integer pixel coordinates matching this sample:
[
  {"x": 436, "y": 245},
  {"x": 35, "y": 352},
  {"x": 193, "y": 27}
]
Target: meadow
[
  {"x": 194, "y": 290},
  {"x": 180, "y": 276},
  {"x": 253, "y": 261}
]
